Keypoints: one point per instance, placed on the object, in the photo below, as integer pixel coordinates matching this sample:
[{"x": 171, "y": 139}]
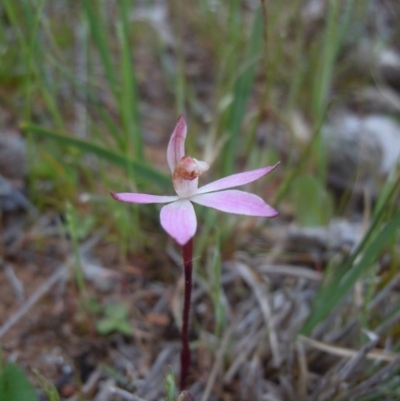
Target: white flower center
[{"x": 186, "y": 176}]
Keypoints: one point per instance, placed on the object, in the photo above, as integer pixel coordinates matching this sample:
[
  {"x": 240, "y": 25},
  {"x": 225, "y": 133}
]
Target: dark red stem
[{"x": 185, "y": 353}]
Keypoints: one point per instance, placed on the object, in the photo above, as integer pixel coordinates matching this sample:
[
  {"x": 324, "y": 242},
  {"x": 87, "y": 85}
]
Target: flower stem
[{"x": 187, "y": 251}]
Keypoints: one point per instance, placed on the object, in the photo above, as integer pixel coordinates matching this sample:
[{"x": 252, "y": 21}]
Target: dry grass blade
[
  {"x": 13, "y": 280},
  {"x": 376, "y": 301},
  {"x": 303, "y": 371},
  {"x": 367, "y": 386},
  {"x": 125, "y": 395},
  {"x": 243, "y": 356},
  {"x": 262, "y": 298},
  {"x": 328, "y": 384},
  {"x": 375, "y": 354},
  {"x": 294, "y": 271},
  {"x": 148, "y": 388},
  {"x": 217, "y": 364},
  {"x": 357, "y": 359},
  {"x": 385, "y": 326}
]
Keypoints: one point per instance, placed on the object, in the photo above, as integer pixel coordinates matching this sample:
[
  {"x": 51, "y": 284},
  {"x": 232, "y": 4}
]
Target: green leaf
[
  {"x": 338, "y": 285},
  {"x": 116, "y": 311},
  {"x": 170, "y": 386},
  {"x": 14, "y": 385},
  {"x": 106, "y": 326},
  {"x": 109, "y": 325},
  {"x": 141, "y": 170},
  {"x": 116, "y": 320},
  {"x": 124, "y": 328}
]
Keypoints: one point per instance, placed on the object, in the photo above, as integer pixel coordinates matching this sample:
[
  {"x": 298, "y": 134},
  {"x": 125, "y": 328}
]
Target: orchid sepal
[{"x": 132, "y": 197}]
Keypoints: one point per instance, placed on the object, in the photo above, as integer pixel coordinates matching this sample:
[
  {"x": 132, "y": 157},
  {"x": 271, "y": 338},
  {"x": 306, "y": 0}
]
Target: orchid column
[{"x": 179, "y": 219}]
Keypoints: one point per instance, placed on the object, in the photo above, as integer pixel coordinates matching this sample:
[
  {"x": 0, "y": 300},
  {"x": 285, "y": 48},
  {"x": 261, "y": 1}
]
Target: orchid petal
[
  {"x": 235, "y": 201},
  {"x": 179, "y": 220},
  {"x": 235, "y": 180},
  {"x": 176, "y": 145},
  {"x": 142, "y": 198}
]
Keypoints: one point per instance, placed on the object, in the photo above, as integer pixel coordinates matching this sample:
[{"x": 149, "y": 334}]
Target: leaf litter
[{"x": 258, "y": 355}]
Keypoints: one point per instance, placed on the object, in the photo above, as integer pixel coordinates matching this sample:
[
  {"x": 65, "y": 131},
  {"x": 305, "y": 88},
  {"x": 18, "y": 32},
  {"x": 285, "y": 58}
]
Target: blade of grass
[
  {"x": 72, "y": 228},
  {"x": 145, "y": 172},
  {"x": 99, "y": 34},
  {"x": 129, "y": 104},
  {"x": 331, "y": 293},
  {"x": 335, "y": 31},
  {"x": 297, "y": 169},
  {"x": 47, "y": 85},
  {"x": 88, "y": 89},
  {"x": 32, "y": 55},
  {"x": 179, "y": 77},
  {"x": 242, "y": 90},
  {"x": 323, "y": 304},
  {"x": 29, "y": 60}
]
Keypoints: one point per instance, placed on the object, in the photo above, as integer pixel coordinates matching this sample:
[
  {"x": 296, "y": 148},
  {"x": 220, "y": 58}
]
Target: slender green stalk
[{"x": 72, "y": 230}]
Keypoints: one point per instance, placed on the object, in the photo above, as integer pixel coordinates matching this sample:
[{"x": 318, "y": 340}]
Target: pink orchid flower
[{"x": 178, "y": 217}]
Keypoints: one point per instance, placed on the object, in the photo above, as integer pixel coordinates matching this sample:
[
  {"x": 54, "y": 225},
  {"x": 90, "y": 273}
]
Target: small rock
[
  {"x": 12, "y": 156},
  {"x": 13, "y": 168},
  {"x": 337, "y": 234},
  {"x": 366, "y": 148},
  {"x": 11, "y": 198}
]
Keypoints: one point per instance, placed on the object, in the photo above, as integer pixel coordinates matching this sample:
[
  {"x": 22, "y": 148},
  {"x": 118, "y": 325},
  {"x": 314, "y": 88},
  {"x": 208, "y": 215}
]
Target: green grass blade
[
  {"x": 241, "y": 92},
  {"x": 97, "y": 28},
  {"x": 329, "y": 48},
  {"x": 87, "y": 88},
  {"x": 378, "y": 214},
  {"x": 32, "y": 55},
  {"x": 296, "y": 170},
  {"x": 141, "y": 170},
  {"x": 129, "y": 104},
  {"x": 72, "y": 221},
  {"x": 325, "y": 301},
  {"x": 335, "y": 32},
  {"x": 330, "y": 294}
]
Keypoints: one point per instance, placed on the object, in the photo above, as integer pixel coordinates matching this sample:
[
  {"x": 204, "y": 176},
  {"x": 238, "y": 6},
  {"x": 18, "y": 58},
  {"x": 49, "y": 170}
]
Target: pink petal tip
[{"x": 176, "y": 145}]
